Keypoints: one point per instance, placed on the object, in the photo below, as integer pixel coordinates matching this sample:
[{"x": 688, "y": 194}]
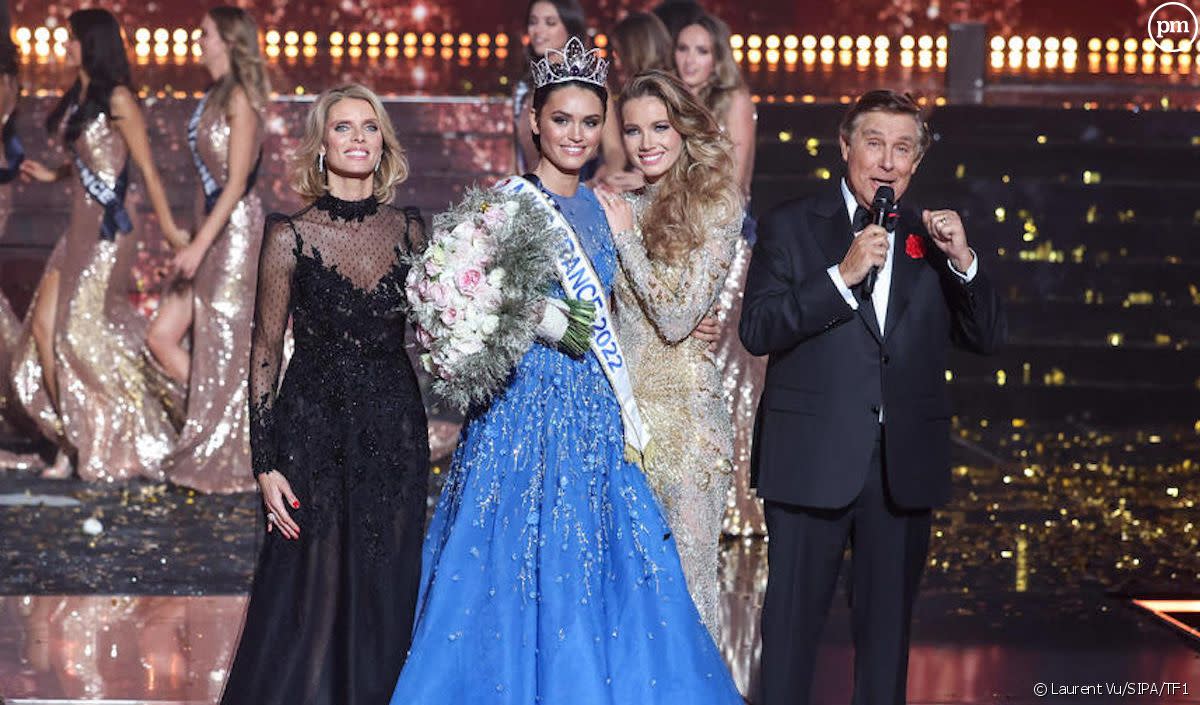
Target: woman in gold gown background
[
  {"x": 85, "y": 380},
  {"x": 215, "y": 274}
]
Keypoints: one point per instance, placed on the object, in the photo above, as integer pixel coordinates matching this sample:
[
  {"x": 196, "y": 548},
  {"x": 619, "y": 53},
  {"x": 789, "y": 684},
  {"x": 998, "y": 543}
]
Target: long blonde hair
[
  {"x": 246, "y": 66},
  {"x": 700, "y": 190},
  {"x": 727, "y": 77},
  {"x": 307, "y": 177}
]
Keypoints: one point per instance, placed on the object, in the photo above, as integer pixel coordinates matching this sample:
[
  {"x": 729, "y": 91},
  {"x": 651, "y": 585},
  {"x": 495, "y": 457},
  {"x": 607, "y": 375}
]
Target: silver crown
[{"x": 572, "y": 63}]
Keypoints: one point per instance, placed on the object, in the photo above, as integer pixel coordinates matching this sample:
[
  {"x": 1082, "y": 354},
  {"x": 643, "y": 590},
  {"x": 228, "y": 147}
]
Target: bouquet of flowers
[{"x": 477, "y": 295}]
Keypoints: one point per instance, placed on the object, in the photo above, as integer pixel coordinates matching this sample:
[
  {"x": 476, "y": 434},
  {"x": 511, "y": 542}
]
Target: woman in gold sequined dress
[
  {"x": 88, "y": 335},
  {"x": 675, "y": 239},
  {"x": 213, "y": 293}
]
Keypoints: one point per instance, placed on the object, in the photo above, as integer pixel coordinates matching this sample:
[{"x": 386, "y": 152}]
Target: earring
[{"x": 321, "y": 162}]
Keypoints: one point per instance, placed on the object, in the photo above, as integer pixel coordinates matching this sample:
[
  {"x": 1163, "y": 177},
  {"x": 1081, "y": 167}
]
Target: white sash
[{"x": 579, "y": 280}]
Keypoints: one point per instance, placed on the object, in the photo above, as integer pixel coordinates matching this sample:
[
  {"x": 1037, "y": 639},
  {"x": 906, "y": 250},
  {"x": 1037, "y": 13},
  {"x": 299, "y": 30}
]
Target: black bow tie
[{"x": 862, "y": 218}]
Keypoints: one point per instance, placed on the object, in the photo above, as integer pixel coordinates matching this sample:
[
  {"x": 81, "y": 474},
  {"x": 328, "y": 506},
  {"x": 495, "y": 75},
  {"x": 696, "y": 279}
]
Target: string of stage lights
[{"x": 1112, "y": 55}]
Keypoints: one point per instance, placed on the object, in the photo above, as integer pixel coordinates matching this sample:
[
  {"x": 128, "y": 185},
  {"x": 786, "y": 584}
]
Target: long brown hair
[
  {"x": 246, "y": 66},
  {"x": 642, "y": 43},
  {"x": 699, "y": 191},
  {"x": 727, "y": 77}
]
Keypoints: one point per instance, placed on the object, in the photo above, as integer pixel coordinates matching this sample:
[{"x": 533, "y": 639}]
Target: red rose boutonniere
[{"x": 914, "y": 246}]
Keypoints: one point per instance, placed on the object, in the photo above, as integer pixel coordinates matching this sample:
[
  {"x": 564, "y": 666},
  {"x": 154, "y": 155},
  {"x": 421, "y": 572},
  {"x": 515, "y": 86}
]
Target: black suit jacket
[{"x": 830, "y": 368}]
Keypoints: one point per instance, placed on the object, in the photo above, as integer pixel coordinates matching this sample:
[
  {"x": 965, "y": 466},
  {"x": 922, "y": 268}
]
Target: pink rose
[
  {"x": 494, "y": 217},
  {"x": 450, "y": 316},
  {"x": 469, "y": 279},
  {"x": 439, "y": 295},
  {"x": 424, "y": 337}
]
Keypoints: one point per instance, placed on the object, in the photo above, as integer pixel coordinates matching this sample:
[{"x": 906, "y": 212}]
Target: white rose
[{"x": 470, "y": 346}]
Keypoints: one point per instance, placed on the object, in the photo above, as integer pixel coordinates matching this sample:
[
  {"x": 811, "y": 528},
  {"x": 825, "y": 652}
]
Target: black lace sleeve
[{"x": 272, "y": 305}]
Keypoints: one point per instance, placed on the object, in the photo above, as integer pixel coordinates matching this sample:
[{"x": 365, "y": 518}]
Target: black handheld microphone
[{"x": 881, "y": 208}]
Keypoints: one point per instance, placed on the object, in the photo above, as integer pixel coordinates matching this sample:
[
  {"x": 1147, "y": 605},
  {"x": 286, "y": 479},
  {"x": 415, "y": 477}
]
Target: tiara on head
[{"x": 572, "y": 63}]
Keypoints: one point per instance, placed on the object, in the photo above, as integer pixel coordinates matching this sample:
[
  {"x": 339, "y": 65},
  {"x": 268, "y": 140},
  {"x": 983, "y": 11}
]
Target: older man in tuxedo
[{"x": 853, "y": 431}]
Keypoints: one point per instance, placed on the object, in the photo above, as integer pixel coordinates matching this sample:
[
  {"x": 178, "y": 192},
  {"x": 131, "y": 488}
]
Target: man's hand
[
  {"x": 947, "y": 232},
  {"x": 623, "y": 181},
  {"x": 709, "y": 331},
  {"x": 868, "y": 250}
]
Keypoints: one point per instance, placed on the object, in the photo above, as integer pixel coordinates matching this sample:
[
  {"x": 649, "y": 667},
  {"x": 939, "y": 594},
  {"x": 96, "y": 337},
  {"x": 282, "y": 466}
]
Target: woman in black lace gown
[{"x": 340, "y": 450}]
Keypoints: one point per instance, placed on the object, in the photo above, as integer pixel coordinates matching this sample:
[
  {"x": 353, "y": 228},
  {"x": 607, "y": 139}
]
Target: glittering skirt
[
  {"x": 742, "y": 378},
  {"x": 549, "y": 573},
  {"x": 213, "y": 451},
  {"x": 116, "y": 429},
  {"x": 28, "y": 383},
  {"x": 681, "y": 400}
]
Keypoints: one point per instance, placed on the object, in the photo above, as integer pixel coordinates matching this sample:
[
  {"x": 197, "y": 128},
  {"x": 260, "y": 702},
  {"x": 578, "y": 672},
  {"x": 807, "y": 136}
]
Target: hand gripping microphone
[{"x": 881, "y": 208}]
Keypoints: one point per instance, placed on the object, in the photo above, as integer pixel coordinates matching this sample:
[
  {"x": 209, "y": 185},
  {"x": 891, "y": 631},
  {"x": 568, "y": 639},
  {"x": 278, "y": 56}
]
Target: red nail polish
[{"x": 295, "y": 504}]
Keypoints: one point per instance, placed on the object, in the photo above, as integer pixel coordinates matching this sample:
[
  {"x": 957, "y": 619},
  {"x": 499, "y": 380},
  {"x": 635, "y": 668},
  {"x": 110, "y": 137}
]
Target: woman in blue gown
[{"x": 549, "y": 574}]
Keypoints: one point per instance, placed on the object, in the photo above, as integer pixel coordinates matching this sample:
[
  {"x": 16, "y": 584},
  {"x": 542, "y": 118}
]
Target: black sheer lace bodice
[{"x": 336, "y": 269}]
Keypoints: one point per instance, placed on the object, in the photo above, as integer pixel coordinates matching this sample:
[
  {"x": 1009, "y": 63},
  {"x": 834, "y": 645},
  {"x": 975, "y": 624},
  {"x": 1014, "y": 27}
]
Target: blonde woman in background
[
  {"x": 213, "y": 292},
  {"x": 705, "y": 63}
]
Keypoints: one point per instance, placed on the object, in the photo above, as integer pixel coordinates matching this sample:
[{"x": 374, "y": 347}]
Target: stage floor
[
  {"x": 148, "y": 610},
  {"x": 986, "y": 649}
]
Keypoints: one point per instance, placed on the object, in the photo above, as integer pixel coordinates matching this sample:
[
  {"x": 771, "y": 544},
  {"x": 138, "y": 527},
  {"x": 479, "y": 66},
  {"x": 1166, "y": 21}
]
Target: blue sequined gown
[{"x": 550, "y": 575}]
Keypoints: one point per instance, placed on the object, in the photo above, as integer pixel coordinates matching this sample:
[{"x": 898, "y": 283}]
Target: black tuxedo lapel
[
  {"x": 834, "y": 237},
  {"x": 905, "y": 270},
  {"x": 832, "y": 230},
  {"x": 866, "y": 309}
]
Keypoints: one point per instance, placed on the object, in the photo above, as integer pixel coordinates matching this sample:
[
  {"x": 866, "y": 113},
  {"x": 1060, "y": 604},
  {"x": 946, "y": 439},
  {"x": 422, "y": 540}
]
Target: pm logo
[{"x": 1174, "y": 21}]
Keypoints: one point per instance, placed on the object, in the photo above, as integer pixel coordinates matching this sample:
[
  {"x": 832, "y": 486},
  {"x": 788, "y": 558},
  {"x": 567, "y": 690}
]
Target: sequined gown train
[
  {"x": 213, "y": 451},
  {"x": 330, "y": 614},
  {"x": 678, "y": 389},
  {"x": 549, "y": 574},
  {"x": 742, "y": 375},
  {"x": 107, "y": 417}
]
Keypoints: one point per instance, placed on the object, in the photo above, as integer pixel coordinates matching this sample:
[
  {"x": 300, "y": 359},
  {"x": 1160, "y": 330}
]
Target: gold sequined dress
[
  {"x": 108, "y": 419},
  {"x": 678, "y": 388},
  {"x": 742, "y": 376},
  {"x": 213, "y": 452}
]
